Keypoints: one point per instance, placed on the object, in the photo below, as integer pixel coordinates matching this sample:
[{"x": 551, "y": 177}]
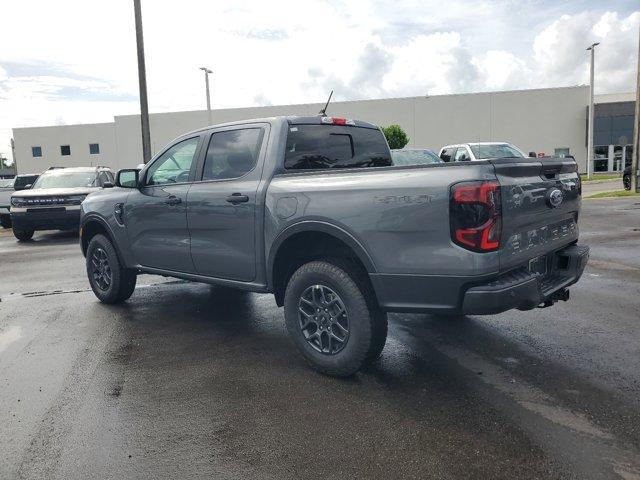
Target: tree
[{"x": 396, "y": 136}]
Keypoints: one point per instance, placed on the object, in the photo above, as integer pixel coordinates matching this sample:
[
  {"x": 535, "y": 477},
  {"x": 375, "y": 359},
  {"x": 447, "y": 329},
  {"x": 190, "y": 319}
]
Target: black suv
[
  {"x": 20, "y": 182},
  {"x": 53, "y": 202}
]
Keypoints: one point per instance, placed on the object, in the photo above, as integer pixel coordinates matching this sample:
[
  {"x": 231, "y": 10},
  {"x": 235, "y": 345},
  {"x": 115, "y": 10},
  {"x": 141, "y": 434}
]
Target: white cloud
[{"x": 75, "y": 61}]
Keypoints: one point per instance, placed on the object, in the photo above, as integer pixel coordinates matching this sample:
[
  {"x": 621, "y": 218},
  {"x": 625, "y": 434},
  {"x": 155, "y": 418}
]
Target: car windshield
[
  {"x": 496, "y": 150},
  {"x": 61, "y": 179},
  {"x": 414, "y": 157}
]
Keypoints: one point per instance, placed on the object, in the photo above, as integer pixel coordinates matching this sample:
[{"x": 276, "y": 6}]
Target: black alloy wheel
[{"x": 323, "y": 319}]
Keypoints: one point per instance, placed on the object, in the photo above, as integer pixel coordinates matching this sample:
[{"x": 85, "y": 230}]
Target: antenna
[{"x": 323, "y": 112}]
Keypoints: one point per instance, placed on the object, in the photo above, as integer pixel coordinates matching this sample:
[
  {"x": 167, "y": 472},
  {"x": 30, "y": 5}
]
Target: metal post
[
  {"x": 590, "y": 132},
  {"x": 142, "y": 79},
  {"x": 206, "y": 83},
  {"x": 636, "y": 130}
]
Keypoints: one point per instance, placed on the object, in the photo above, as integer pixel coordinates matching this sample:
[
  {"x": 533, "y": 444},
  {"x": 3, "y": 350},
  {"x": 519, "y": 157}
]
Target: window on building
[
  {"x": 36, "y": 151},
  {"x": 94, "y": 148},
  {"x": 233, "y": 153},
  {"x": 601, "y": 158},
  {"x": 561, "y": 152},
  {"x": 65, "y": 150},
  {"x": 628, "y": 155}
]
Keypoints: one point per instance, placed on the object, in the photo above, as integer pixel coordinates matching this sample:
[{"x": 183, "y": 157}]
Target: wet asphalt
[{"x": 188, "y": 381}]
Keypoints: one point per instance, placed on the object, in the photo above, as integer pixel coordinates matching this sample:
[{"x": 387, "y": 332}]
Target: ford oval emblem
[{"x": 555, "y": 197}]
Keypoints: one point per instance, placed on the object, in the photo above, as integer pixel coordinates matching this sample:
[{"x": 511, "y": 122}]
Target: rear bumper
[
  {"x": 523, "y": 290},
  {"x": 59, "y": 218},
  {"x": 482, "y": 295}
]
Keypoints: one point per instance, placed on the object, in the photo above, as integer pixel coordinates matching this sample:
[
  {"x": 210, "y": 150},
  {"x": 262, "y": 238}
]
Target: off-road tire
[
  {"x": 367, "y": 322},
  {"x": 122, "y": 280},
  {"x": 22, "y": 234}
]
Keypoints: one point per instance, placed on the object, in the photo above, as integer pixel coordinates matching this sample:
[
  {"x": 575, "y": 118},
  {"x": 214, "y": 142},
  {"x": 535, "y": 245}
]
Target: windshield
[
  {"x": 66, "y": 180},
  {"x": 414, "y": 157},
  {"x": 499, "y": 150}
]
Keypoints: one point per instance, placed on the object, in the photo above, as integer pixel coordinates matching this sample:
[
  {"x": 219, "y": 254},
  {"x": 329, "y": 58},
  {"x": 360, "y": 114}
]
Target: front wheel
[
  {"x": 333, "y": 318},
  {"x": 23, "y": 234},
  {"x": 626, "y": 181},
  {"x": 109, "y": 280},
  {"x": 5, "y": 221}
]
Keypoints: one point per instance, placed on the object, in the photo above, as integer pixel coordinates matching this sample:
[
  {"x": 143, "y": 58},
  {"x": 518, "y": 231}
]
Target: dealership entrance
[{"x": 612, "y": 136}]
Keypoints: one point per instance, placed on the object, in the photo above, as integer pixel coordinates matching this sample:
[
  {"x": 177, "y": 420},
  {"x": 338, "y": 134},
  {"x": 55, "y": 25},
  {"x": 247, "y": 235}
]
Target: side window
[
  {"x": 461, "y": 155},
  {"x": 104, "y": 177},
  {"x": 174, "y": 165},
  {"x": 232, "y": 153},
  {"x": 446, "y": 154}
]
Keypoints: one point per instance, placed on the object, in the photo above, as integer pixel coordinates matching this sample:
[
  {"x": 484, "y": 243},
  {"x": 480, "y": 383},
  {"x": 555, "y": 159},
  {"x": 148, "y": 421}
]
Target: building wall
[
  {"x": 78, "y": 137},
  {"x": 534, "y": 120}
]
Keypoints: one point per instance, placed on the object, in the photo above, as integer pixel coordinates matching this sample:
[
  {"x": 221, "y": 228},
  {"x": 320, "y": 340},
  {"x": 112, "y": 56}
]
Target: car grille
[{"x": 46, "y": 201}]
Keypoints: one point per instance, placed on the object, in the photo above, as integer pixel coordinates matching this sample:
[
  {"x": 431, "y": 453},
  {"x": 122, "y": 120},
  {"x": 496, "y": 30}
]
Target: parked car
[
  {"x": 312, "y": 210},
  {"x": 53, "y": 202},
  {"x": 463, "y": 152},
  {"x": 19, "y": 182},
  {"x": 414, "y": 156},
  {"x": 626, "y": 178}
]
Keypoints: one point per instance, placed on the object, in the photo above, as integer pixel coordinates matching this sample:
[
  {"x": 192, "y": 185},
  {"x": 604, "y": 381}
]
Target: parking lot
[{"x": 186, "y": 381}]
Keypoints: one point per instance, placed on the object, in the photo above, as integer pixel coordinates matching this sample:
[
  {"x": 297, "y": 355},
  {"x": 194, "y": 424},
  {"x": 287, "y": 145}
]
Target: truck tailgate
[{"x": 540, "y": 205}]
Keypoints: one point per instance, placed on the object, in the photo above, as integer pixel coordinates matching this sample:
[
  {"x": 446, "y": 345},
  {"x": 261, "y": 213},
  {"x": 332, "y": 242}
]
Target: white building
[{"x": 552, "y": 121}]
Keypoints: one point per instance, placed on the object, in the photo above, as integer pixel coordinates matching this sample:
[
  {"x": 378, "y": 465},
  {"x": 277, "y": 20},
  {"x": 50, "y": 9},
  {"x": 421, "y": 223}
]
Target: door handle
[
  {"x": 173, "y": 200},
  {"x": 237, "y": 198}
]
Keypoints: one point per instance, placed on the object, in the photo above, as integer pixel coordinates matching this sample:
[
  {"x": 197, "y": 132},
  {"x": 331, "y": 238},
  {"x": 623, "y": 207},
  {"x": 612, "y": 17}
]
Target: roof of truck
[{"x": 291, "y": 119}]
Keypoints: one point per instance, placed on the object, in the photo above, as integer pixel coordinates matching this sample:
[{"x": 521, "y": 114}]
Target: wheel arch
[
  {"x": 307, "y": 241},
  {"x": 94, "y": 225}
]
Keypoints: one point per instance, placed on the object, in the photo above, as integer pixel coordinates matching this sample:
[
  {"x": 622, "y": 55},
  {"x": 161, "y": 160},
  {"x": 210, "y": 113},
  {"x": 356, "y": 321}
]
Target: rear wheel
[
  {"x": 109, "y": 280},
  {"x": 333, "y": 318},
  {"x": 23, "y": 234},
  {"x": 626, "y": 181}
]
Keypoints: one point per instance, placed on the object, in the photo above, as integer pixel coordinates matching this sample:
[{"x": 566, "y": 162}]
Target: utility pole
[
  {"x": 206, "y": 83},
  {"x": 142, "y": 79},
  {"x": 636, "y": 130},
  {"x": 590, "y": 132}
]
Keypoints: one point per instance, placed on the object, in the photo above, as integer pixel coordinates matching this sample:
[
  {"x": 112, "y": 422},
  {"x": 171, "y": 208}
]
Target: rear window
[
  {"x": 333, "y": 146},
  {"x": 495, "y": 151}
]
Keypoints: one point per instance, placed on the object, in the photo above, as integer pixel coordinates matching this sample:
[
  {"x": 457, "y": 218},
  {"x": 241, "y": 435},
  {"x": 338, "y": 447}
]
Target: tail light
[{"x": 475, "y": 215}]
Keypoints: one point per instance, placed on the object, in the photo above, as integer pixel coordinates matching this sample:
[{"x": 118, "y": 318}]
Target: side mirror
[
  {"x": 107, "y": 185},
  {"x": 127, "y": 178}
]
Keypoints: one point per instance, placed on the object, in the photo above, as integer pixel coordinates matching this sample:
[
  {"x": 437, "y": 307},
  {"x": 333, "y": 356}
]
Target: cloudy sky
[{"x": 70, "y": 61}]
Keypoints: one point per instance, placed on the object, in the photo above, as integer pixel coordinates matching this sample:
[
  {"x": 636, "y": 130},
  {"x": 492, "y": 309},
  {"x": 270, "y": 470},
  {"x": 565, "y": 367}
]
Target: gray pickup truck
[{"x": 313, "y": 210}]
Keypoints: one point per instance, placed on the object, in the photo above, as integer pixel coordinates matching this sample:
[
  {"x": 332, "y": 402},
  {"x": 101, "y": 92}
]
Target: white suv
[{"x": 464, "y": 152}]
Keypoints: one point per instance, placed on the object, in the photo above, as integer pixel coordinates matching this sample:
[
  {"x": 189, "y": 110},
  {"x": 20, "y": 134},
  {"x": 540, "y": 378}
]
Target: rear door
[
  {"x": 221, "y": 205},
  {"x": 540, "y": 205}
]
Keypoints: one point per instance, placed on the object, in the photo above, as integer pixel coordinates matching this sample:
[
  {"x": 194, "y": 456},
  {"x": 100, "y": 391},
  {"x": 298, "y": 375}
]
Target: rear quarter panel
[{"x": 400, "y": 215}]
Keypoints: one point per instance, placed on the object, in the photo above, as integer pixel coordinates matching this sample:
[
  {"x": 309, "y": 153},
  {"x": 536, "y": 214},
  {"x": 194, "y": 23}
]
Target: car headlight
[{"x": 17, "y": 202}]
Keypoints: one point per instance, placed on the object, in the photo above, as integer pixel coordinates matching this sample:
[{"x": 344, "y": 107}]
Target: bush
[{"x": 396, "y": 136}]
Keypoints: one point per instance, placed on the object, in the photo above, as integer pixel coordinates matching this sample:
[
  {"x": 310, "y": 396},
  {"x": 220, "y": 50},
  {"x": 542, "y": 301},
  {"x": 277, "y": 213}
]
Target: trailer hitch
[{"x": 560, "y": 295}]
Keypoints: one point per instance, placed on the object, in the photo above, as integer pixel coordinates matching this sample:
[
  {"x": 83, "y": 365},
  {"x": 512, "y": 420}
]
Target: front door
[
  {"x": 221, "y": 205},
  {"x": 155, "y": 215}
]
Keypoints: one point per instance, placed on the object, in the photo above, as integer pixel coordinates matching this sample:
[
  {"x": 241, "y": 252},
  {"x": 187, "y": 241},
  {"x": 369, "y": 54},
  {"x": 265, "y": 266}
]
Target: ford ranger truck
[{"x": 313, "y": 210}]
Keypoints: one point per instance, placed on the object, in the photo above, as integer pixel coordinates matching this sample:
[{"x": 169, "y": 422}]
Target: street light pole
[
  {"x": 142, "y": 80},
  {"x": 206, "y": 83},
  {"x": 590, "y": 132},
  {"x": 636, "y": 131}
]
